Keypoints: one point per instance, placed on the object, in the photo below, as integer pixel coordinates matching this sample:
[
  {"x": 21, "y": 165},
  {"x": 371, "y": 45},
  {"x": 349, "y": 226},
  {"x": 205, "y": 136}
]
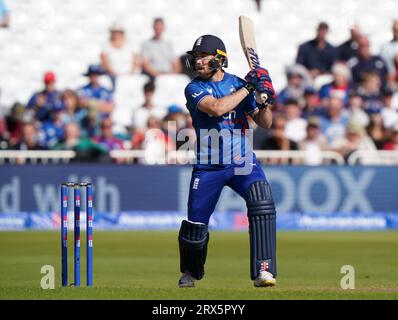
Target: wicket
[{"x": 89, "y": 231}]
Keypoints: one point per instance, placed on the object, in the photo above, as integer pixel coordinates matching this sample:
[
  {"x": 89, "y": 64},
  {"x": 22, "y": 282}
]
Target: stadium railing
[
  {"x": 379, "y": 157},
  {"x": 36, "y": 156},
  {"x": 267, "y": 156}
]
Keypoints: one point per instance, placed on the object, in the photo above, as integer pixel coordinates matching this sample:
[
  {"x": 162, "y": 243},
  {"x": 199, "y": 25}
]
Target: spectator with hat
[
  {"x": 97, "y": 99},
  {"x": 42, "y": 102},
  {"x": 158, "y": 54},
  {"x": 117, "y": 57},
  {"x": 318, "y": 55}
]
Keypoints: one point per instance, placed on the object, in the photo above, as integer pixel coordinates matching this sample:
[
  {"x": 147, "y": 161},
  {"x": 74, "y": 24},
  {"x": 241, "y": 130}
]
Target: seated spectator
[
  {"x": 365, "y": 62},
  {"x": 312, "y": 106},
  {"x": 355, "y": 110},
  {"x": 53, "y": 128},
  {"x": 158, "y": 55},
  {"x": 392, "y": 143},
  {"x": 376, "y": 130},
  {"x": 317, "y": 55},
  {"x": 15, "y": 122},
  {"x": 86, "y": 149},
  {"x": 106, "y": 138},
  {"x": 389, "y": 52},
  {"x": 148, "y": 109},
  {"x": 4, "y": 15},
  {"x": 314, "y": 143},
  {"x": 334, "y": 125},
  {"x": 295, "y": 127},
  {"x": 370, "y": 90},
  {"x": 388, "y": 113},
  {"x": 355, "y": 139},
  {"x": 4, "y": 134},
  {"x": 29, "y": 138},
  {"x": 157, "y": 143},
  {"x": 349, "y": 49},
  {"x": 118, "y": 58},
  {"x": 298, "y": 79},
  {"x": 73, "y": 112},
  {"x": 278, "y": 139},
  {"x": 97, "y": 99},
  {"x": 42, "y": 102},
  {"x": 340, "y": 84}
]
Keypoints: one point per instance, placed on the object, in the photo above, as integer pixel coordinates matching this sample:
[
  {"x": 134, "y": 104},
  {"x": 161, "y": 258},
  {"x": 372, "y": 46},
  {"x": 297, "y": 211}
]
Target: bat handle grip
[
  {"x": 261, "y": 97},
  {"x": 264, "y": 97}
]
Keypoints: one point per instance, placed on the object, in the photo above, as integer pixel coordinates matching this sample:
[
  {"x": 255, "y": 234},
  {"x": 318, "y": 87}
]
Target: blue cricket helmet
[{"x": 213, "y": 45}]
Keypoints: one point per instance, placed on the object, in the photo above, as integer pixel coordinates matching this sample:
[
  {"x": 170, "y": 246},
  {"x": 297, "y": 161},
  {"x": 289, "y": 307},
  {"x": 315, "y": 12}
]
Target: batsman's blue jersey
[
  {"x": 231, "y": 126},
  {"x": 208, "y": 179}
]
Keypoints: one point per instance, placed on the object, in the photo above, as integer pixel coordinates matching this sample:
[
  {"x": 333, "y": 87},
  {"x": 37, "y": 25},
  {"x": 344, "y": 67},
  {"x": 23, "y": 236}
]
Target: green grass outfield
[{"x": 145, "y": 265}]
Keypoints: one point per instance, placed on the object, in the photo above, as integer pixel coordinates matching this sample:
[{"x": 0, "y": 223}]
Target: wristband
[{"x": 249, "y": 87}]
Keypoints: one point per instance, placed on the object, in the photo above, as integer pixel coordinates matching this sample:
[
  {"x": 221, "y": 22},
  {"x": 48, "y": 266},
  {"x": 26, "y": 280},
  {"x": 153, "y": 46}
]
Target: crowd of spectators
[{"x": 337, "y": 98}]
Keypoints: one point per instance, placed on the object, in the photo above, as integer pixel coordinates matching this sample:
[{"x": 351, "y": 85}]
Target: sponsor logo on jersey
[{"x": 195, "y": 95}]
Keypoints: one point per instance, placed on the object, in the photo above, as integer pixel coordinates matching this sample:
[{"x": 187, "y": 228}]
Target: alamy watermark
[
  {"x": 348, "y": 280},
  {"x": 48, "y": 280}
]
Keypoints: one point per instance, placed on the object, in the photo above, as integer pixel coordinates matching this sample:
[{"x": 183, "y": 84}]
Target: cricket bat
[{"x": 248, "y": 43}]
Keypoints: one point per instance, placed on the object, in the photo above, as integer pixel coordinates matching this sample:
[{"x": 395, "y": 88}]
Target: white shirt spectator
[
  {"x": 121, "y": 59},
  {"x": 390, "y": 50},
  {"x": 160, "y": 55},
  {"x": 390, "y": 117},
  {"x": 296, "y": 129}
]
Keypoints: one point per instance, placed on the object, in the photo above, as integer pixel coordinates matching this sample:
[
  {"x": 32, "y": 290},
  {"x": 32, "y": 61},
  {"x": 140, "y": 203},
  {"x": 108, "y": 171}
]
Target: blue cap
[
  {"x": 174, "y": 109},
  {"x": 209, "y": 44},
  {"x": 94, "y": 69}
]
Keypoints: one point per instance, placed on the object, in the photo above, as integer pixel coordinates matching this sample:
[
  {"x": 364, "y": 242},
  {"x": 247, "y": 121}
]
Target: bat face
[
  {"x": 252, "y": 57},
  {"x": 248, "y": 42}
]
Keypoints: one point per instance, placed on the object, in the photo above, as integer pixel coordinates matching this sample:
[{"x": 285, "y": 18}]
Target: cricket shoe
[
  {"x": 264, "y": 279},
  {"x": 186, "y": 281}
]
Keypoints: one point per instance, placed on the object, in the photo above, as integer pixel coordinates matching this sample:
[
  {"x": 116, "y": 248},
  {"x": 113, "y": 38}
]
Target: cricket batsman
[{"x": 220, "y": 102}]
